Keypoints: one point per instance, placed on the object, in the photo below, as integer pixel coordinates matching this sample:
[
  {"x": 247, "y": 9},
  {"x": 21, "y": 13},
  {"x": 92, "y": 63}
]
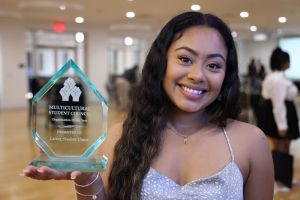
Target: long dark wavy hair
[{"x": 140, "y": 141}]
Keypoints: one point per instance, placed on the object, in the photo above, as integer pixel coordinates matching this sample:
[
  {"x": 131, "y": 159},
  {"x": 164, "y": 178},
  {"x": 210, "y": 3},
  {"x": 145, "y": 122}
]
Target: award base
[{"x": 94, "y": 163}]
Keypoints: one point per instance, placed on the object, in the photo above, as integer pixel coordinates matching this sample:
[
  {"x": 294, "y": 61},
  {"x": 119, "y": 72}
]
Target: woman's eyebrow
[
  {"x": 216, "y": 55},
  {"x": 196, "y": 54},
  {"x": 189, "y": 50}
]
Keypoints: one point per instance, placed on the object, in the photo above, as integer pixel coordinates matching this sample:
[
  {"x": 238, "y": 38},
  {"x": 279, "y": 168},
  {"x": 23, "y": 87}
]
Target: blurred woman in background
[{"x": 278, "y": 117}]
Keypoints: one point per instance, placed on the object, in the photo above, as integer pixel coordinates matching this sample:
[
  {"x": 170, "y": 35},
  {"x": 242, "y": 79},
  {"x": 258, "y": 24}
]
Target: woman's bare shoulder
[
  {"x": 253, "y": 158},
  {"x": 248, "y": 139},
  {"x": 115, "y": 130},
  {"x": 245, "y": 130}
]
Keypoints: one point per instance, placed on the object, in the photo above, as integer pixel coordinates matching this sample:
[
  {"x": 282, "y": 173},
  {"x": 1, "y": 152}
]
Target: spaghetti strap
[{"x": 231, "y": 152}]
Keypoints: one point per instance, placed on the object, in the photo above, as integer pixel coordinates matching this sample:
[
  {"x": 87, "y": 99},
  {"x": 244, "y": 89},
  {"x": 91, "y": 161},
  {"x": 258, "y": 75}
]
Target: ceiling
[{"x": 153, "y": 14}]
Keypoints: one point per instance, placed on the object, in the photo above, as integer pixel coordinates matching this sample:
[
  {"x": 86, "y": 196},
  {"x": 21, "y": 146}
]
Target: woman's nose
[{"x": 196, "y": 74}]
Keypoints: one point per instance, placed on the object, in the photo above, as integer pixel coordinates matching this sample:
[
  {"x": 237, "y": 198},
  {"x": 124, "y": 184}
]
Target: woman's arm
[{"x": 260, "y": 182}]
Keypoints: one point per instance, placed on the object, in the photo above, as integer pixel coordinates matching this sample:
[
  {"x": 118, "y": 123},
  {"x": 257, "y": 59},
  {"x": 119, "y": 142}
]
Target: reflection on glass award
[{"x": 69, "y": 122}]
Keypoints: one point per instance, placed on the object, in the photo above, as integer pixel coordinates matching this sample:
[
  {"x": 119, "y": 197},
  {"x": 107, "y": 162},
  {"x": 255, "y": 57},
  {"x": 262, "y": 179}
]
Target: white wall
[
  {"x": 14, "y": 79},
  {"x": 97, "y": 60},
  {"x": 248, "y": 49},
  {"x": 1, "y": 79}
]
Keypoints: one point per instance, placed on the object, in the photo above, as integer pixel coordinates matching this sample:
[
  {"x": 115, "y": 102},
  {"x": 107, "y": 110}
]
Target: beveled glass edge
[
  {"x": 51, "y": 82},
  {"x": 94, "y": 146},
  {"x": 95, "y": 163},
  {"x": 61, "y": 72},
  {"x": 88, "y": 82},
  {"x": 40, "y": 143}
]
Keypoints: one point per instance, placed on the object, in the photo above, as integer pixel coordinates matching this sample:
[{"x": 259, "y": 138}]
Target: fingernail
[
  {"x": 26, "y": 170},
  {"x": 22, "y": 174},
  {"x": 73, "y": 177},
  {"x": 40, "y": 170}
]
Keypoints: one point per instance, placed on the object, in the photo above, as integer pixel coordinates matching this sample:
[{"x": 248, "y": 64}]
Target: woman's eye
[
  {"x": 214, "y": 66},
  {"x": 185, "y": 60}
]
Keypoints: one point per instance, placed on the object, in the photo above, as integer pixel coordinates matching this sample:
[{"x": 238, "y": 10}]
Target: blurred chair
[
  {"x": 245, "y": 101},
  {"x": 112, "y": 91}
]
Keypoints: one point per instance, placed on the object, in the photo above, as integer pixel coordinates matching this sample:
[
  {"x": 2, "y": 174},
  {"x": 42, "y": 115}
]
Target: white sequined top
[{"x": 224, "y": 185}]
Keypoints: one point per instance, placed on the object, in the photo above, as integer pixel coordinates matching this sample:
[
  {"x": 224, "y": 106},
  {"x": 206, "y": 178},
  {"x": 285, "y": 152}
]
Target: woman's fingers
[
  {"x": 53, "y": 174},
  {"x": 34, "y": 172},
  {"x": 282, "y": 133},
  {"x": 44, "y": 173},
  {"x": 75, "y": 175},
  {"x": 47, "y": 173}
]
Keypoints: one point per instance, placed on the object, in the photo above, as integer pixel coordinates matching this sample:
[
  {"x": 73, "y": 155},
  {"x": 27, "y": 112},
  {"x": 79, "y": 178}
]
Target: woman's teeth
[{"x": 191, "y": 90}]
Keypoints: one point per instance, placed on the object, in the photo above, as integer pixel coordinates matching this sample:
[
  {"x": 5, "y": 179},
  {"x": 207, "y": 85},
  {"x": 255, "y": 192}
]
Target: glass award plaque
[{"x": 69, "y": 122}]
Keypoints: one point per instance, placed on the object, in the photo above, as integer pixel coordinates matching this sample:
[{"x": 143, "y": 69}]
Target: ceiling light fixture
[
  {"x": 244, "y": 14},
  {"x": 195, "y": 7},
  {"x": 62, "y": 7},
  {"x": 279, "y": 31},
  {"x": 130, "y": 14},
  {"x": 234, "y": 34},
  {"x": 260, "y": 37},
  {"x": 79, "y": 37},
  {"x": 253, "y": 28},
  {"x": 128, "y": 41},
  {"x": 282, "y": 19},
  {"x": 79, "y": 20}
]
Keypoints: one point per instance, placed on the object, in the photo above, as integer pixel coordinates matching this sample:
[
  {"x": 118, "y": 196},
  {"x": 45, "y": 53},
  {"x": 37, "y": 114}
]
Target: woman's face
[
  {"x": 196, "y": 66},
  {"x": 285, "y": 65}
]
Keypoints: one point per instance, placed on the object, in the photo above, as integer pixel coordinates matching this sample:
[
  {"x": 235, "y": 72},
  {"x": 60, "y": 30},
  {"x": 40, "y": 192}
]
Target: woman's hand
[
  {"x": 46, "y": 173},
  {"x": 282, "y": 133}
]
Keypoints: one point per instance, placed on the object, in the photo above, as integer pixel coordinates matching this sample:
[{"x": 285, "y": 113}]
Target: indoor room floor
[{"x": 18, "y": 149}]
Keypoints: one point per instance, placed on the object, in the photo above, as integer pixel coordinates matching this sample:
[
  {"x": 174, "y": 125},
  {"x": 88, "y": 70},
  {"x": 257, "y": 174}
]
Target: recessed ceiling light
[
  {"x": 79, "y": 20},
  {"x": 130, "y": 14},
  {"x": 282, "y": 19},
  {"x": 128, "y": 41},
  {"x": 234, "y": 34},
  {"x": 260, "y": 37},
  {"x": 79, "y": 37},
  {"x": 279, "y": 31},
  {"x": 62, "y": 7},
  {"x": 195, "y": 7},
  {"x": 253, "y": 28},
  {"x": 244, "y": 14}
]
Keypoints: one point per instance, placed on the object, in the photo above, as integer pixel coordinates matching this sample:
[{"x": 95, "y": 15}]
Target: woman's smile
[{"x": 192, "y": 91}]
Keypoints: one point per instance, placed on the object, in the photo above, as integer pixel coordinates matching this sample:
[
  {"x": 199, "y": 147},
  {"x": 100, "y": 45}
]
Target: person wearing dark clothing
[{"x": 252, "y": 68}]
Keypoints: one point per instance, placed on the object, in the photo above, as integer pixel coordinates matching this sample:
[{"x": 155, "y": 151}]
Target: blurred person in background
[
  {"x": 124, "y": 85},
  {"x": 255, "y": 78},
  {"x": 278, "y": 117},
  {"x": 252, "y": 68},
  {"x": 260, "y": 69}
]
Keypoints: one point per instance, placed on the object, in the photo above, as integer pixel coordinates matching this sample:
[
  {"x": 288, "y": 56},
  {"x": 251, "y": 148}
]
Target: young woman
[
  {"x": 278, "y": 117},
  {"x": 180, "y": 139}
]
